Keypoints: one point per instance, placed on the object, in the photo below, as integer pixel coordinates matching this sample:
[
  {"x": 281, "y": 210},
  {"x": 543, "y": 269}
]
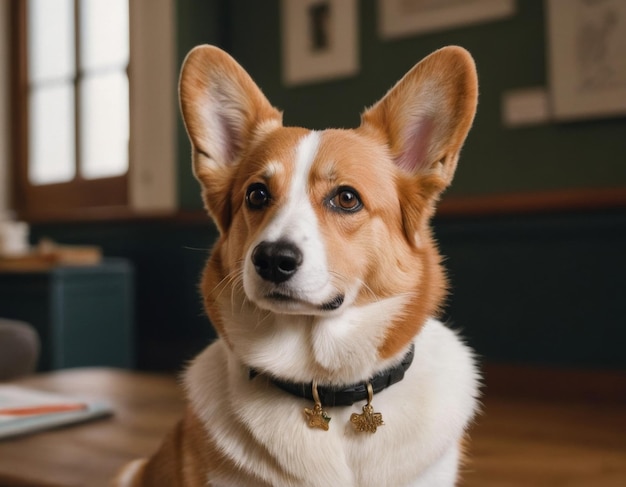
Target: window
[
  {"x": 77, "y": 89},
  {"x": 74, "y": 108}
]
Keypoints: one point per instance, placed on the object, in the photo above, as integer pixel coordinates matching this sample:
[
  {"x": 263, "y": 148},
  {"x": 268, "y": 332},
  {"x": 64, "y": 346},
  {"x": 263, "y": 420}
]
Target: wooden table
[
  {"x": 89, "y": 454},
  {"x": 566, "y": 428}
]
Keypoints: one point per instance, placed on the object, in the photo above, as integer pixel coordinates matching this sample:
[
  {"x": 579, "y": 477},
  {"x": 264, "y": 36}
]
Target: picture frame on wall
[
  {"x": 319, "y": 40},
  {"x": 587, "y": 58},
  {"x": 401, "y": 18}
]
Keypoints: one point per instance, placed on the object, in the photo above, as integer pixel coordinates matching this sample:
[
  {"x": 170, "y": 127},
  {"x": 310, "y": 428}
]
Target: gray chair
[{"x": 19, "y": 349}]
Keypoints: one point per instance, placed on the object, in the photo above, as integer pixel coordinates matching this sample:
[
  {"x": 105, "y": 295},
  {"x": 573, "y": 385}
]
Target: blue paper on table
[{"x": 24, "y": 410}]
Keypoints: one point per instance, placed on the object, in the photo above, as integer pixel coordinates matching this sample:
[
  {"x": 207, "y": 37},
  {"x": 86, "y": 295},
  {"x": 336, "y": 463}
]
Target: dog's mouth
[
  {"x": 333, "y": 304},
  {"x": 291, "y": 301}
]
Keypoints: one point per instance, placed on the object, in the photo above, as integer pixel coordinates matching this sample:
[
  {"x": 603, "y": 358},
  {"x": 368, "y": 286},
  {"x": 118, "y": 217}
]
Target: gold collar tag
[
  {"x": 317, "y": 417},
  {"x": 368, "y": 420}
]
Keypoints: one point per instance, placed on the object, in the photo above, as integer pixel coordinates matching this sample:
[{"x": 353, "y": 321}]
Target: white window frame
[{"x": 153, "y": 106}]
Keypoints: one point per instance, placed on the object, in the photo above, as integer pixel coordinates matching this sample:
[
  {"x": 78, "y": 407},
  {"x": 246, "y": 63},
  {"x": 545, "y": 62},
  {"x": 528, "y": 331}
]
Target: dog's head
[{"x": 325, "y": 267}]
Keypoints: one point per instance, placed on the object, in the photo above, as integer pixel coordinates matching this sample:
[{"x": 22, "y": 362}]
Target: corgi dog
[{"x": 331, "y": 368}]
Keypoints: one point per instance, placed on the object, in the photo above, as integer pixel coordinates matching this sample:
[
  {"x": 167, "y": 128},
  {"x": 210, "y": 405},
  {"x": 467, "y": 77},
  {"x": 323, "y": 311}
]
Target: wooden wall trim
[
  {"x": 113, "y": 214},
  {"x": 509, "y": 204},
  {"x": 584, "y": 199},
  {"x": 554, "y": 383}
]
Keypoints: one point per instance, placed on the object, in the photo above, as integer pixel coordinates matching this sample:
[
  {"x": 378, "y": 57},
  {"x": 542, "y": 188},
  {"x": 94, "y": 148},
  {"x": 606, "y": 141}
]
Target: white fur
[
  {"x": 425, "y": 417},
  {"x": 341, "y": 348}
]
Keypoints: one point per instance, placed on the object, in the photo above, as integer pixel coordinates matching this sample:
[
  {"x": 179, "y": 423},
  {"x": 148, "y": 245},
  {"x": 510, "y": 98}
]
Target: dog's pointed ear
[
  {"x": 424, "y": 120},
  {"x": 223, "y": 109},
  {"x": 426, "y": 116}
]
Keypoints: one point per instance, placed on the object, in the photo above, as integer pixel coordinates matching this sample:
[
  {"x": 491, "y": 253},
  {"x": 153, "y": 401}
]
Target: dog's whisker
[
  {"x": 344, "y": 280},
  {"x": 265, "y": 317},
  {"x": 370, "y": 291},
  {"x": 223, "y": 284},
  {"x": 196, "y": 249},
  {"x": 237, "y": 290}
]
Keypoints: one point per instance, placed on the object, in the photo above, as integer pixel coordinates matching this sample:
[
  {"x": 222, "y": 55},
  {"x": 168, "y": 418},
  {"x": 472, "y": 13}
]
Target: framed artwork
[
  {"x": 319, "y": 40},
  {"x": 587, "y": 58},
  {"x": 399, "y": 18}
]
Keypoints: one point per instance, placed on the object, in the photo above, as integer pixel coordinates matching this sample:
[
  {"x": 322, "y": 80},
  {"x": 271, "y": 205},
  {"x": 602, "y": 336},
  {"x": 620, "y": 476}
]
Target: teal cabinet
[{"x": 84, "y": 315}]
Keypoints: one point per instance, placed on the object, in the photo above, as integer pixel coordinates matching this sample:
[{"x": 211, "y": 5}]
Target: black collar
[{"x": 346, "y": 396}]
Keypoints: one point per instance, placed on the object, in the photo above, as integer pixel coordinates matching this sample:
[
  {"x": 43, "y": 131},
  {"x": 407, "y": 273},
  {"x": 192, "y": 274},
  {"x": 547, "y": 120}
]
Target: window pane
[
  {"x": 51, "y": 142},
  {"x": 50, "y": 39},
  {"x": 104, "y": 33},
  {"x": 105, "y": 126}
]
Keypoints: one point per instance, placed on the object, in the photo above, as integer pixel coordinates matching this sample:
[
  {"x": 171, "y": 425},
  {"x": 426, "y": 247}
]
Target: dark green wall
[
  {"x": 199, "y": 22},
  {"x": 510, "y": 54},
  {"x": 543, "y": 289},
  {"x": 540, "y": 288}
]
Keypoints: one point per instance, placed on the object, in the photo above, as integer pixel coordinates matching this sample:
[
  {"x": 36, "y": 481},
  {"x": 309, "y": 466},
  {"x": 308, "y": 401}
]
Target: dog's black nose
[{"x": 276, "y": 261}]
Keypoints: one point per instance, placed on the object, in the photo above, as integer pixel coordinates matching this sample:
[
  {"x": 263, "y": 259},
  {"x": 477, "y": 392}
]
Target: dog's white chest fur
[{"x": 263, "y": 429}]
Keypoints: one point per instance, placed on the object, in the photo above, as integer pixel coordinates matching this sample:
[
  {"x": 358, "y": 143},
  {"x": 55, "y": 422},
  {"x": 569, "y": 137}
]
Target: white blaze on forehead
[
  {"x": 296, "y": 219},
  {"x": 305, "y": 155}
]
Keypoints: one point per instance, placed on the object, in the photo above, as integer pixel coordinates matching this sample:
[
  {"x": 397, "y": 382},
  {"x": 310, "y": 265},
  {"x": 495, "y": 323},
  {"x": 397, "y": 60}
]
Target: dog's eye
[
  {"x": 345, "y": 199},
  {"x": 257, "y": 196}
]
